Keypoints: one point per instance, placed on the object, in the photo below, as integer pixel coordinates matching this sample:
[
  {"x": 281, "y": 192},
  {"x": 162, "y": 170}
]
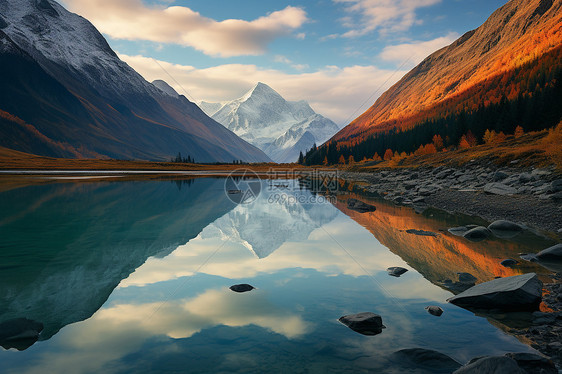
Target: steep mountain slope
[
  {"x": 87, "y": 102},
  {"x": 479, "y": 69},
  {"x": 280, "y": 128}
]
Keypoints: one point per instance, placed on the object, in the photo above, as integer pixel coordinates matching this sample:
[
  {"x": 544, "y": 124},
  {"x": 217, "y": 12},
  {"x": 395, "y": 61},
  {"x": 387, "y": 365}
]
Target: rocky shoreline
[{"x": 530, "y": 197}]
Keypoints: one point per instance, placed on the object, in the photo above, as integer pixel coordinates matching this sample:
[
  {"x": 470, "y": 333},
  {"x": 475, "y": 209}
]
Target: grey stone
[
  {"x": 477, "y": 234},
  {"x": 526, "y": 177},
  {"x": 553, "y": 253},
  {"x": 396, "y": 271},
  {"x": 241, "y": 288},
  {"x": 419, "y": 358},
  {"x": 458, "y": 231},
  {"x": 503, "y": 225},
  {"x": 556, "y": 197},
  {"x": 556, "y": 185},
  {"x": 434, "y": 310},
  {"x": 516, "y": 293},
  {"x": 365, "y": 323},
  {"x": 533, "y": 364},
  {"x": 491, "y": 365},
  {"x": 505, "y": 229},
  {"x": 499, "y": 189},
  {"x": 500, "y": 175}
]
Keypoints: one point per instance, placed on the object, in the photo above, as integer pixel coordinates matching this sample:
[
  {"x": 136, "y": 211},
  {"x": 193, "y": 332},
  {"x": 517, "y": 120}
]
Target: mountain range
[
  {"x": 281, "y": 128},
  {"x": 504, "y": 74},
  {"x": 65, "y": 93}
]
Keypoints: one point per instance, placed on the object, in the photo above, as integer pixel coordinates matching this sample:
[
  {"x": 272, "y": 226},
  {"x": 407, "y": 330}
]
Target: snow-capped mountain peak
[{"x": 265, "y": 119}]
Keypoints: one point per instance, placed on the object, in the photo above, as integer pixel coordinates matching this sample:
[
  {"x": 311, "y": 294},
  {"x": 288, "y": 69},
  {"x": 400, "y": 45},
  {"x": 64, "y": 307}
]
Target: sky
[{"x": 339, "y": 55}]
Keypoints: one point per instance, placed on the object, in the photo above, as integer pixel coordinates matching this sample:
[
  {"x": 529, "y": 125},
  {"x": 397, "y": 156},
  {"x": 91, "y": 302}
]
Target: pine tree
[{"x": 301, "y": 158}]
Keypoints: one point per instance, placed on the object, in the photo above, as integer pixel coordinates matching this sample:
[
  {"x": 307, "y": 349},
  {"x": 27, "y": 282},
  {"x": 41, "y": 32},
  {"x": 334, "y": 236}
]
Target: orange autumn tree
[
  {"x": 342, "y": 160},
  {"x": 388, "y": 155},
  {"x": 519, "y": 132},
  {"x": 438, "y": 142},
  {"x": 463, "y": 144}
]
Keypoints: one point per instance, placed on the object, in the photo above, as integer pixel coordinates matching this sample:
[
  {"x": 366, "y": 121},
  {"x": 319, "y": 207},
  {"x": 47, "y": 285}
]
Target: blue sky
[{"x": 336, "y": 54}]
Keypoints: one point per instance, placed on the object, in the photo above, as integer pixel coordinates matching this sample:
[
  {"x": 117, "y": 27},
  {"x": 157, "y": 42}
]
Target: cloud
[
  {"x": 384, "y": 15},
  {"x": 416, "y": 52},
  {"x": 132, "y": 20},
  {"x": 335, "y": 92}
]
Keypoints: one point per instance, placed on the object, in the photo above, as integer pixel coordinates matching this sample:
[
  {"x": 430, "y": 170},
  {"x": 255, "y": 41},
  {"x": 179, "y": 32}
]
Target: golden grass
[{"x": 539, "y": 149}]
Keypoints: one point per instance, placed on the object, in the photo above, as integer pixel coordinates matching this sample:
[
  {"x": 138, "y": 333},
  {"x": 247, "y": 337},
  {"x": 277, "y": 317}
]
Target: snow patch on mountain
[
  {"x": 165, "y": 87},
  {"x": 279, "y": 127}
]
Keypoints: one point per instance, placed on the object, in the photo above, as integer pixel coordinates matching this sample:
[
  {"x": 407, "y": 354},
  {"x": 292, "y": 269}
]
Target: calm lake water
[{"x": 134, "y": 277}]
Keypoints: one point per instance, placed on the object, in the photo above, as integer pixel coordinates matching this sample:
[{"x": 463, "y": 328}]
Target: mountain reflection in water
[{"x": 146, "y": 266}]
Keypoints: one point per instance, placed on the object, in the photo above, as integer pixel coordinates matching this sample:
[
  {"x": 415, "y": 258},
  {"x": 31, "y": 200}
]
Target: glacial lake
[{"x": 134, "y": 277}]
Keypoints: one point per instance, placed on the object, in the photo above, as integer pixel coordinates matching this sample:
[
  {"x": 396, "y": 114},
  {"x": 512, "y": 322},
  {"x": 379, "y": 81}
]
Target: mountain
[
  {"x": 504, "y": 74},
  {"x": 65, "y": 93},
  {"x": 282, "y": 129}
]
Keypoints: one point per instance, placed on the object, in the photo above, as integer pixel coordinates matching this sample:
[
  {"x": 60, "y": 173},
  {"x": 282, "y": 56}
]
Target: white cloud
[
  {"x": 132, "y": 20},
  {"x": 337, "y": 93},
  {"x": 384, "y": 15},
  {"x": 416, "y": 52}
]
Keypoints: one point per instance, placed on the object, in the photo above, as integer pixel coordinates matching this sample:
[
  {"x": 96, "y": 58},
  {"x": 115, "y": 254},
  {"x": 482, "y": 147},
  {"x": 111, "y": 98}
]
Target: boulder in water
[
  {"x": 513, "y": 294},
  {"x": 434, "y": 310},
  {"x": 491, "y": 364},
  {"x": 477, "y": 234},
  {"x": 366, "y": 323},
  {"x": 551, "y": 254},
  {"x": 505, "y": 229},
  {"x": 414, "y": 359},
  {"x": 396, "y": 271},
  {"x": 241, "y": 287},
  {"x": 508, "y": 263}
]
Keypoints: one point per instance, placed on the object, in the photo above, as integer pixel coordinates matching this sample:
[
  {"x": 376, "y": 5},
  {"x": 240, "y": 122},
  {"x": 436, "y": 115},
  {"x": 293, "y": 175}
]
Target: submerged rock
[
  {"x": 461, "y": 230},
  {"x": 505, "y": 229},
  {"x": 516, "y": 293},
  {"x": 396, "y": 271},
  {"x": 477, "y": 234},
  {"x": 419, "y": 358},
  {"x": 467, "y": 278},
  {"x": 434, "y": 310},
  {"x": 493, "y": 364},
  {"x": 365, "y": 323},
  {"x": 421, "y": 232},
  {"x": 533, "y": 363},
  {"x": 241, "y": 287},
  {"x": 19, "y": 333},
  {"x": 360, "y": 206},
  {"x": 553, "y": 253},
  {"x": 509, "y": 263}
]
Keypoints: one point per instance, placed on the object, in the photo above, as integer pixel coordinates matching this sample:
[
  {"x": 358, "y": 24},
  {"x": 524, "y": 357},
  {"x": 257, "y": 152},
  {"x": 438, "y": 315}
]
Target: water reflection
[
  {"x": 146, "y": 267},
  {"x": 65, "y": 247}
]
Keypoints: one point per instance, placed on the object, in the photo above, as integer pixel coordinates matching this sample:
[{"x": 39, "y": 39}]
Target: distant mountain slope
[
  {"x": 76, "y": 98},
  {"x": 282, "y": 129},
  {"x": 518, "y": 33}
]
